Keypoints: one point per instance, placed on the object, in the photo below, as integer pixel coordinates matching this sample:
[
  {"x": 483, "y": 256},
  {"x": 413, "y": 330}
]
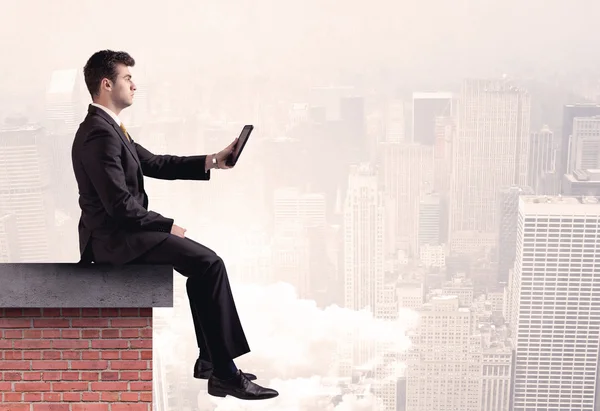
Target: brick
[
  {"x": 6, "y": 344},
  {"x": 15, "y": 323},
  {"x": 109, "y": 312},
  {"x": 146, "y": 333},
  {"x": 130, "y": 333},
  {"x": 110, "y": 355},
  {"x": 130, "y": 355},
  {"x": 89, "y": 407},
  {"x": 51, "y": 407},
  {"x": 147, "y": 344},
  {"x": 129, "y": 407},
  {"x": 129, "y": 322},
  {"x": 5, "y": 386},
  {"x": 130, "y": 397},
  {"x": 146, "y": 354},
  {"x": 32, "y": 312},
  {"x": 12, "y": 334},
  {"x": 31, "y": 386},
  {"x": 51, "y": 323},
  {"x": 32, "y": 376},
  {"x": 51, "y": 312},
  {"x": 140, "y": 386},
  {"x": 90, "y": 333},
  {"x": 50, "y": 365},
  {"x": 129, "y": 376},
  {"x": 70, "y": 376},
  {"x": 14, "y": 407},
  {"x": 52, "y": 396},
  {"x": 15, "y": 365},
  {"x": 71, "y": 397},
  {"x": 71, "y": 355},
  {"x": 51, "y": 376},
  {"x": 146, "y": 396},
  {"x": 109, "y": 386},
  {"x": 69, "y": 334},
  {"x": 146, "y": 376},
  {"x": 32, "y": 355},
  {"x": 109, "y": 396},
  {"x": 32, "y": 344},
  {"x": 129, "y": 312},
  {"x": 108, "y": 344},
  {"x": 70, "y": 312},
  {"x": 146, "y": 312},
  {"x": 129, "y": 365},
  {"x": 109, "y": 376},
  {"x": 90, "y": 376},
  {"x": 70, "y": 344},
  {"x": 110, "y": 333},
  {"x": 51, "y": 355},
  {"x": 32, "y": 334},
  {"x": 90, "y": 397},
  {"x": 32, "y": 397},
  {"x": 90, "y": 312},
  {"x": 50, "y": 334},
  {"x": 89, "y": 365},
  {"x": 70, "y": 386},
  {"x": 13, "y": 355},
  {"x": 12, "y": 397},
  {"x": 90, "y": 355},
  {"x": 12, "y": 376},
  {"x": 13, "y": 312},
  {"x": 90, "y": 323}
]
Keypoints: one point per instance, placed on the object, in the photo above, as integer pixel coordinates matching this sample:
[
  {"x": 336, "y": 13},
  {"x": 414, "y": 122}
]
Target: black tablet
[{"x": 242, "y": 140}]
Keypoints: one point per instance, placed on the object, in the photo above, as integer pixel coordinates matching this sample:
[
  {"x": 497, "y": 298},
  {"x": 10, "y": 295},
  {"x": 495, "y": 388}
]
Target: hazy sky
[{"x": 424, "y": 38}]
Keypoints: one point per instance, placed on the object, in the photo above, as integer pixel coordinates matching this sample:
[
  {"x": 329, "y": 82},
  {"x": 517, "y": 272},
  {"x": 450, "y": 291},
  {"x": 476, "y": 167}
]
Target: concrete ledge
[{"x": 66, "y": 285}]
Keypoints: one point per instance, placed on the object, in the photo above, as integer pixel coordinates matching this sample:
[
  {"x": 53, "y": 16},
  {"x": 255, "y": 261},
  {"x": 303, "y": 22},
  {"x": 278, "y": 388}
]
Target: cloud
[{"x": 294, "y": 345}]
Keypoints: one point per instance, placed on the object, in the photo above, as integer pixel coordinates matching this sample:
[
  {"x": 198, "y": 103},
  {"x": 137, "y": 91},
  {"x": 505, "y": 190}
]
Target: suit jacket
[{"x": 116, "y": 226}]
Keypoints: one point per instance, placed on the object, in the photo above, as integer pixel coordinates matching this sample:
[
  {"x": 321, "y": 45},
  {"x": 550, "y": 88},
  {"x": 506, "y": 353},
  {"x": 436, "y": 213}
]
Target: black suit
[{"x": 116, "y": 227}]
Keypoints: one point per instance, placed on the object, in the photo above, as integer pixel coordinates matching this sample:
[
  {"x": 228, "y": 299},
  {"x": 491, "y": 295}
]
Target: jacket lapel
[{"x": 105, "y": 116}]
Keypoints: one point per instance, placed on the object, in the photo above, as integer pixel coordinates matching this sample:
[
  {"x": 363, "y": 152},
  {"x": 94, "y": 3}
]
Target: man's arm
[
  {"x": 168, "y": 167},
  {"x": 101, "y": 159}
]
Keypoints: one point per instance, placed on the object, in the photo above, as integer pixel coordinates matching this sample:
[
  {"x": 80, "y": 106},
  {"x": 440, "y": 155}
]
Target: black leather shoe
[
  {"x": 203, "y": 370},
  {"x": 239, "y": 387}
]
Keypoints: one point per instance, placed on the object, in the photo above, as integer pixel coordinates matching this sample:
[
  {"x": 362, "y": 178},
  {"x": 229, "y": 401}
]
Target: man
[{"x": 116, "y": 226}]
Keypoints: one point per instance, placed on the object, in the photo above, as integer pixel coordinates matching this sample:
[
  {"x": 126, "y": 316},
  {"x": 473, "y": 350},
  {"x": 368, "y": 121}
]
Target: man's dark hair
[{"x": 103, "y": 64}]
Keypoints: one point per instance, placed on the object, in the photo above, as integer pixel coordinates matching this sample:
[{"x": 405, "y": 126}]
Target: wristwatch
[{"x": 214, "y": 161}]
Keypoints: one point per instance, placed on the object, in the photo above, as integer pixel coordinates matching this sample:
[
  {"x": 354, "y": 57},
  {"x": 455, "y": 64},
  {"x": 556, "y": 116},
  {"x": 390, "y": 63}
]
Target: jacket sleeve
[
  {"x": 168, "y": 167},
  {"x": 101, "y": 158}
]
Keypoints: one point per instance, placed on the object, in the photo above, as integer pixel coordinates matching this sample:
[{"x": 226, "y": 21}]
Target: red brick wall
[{"x": 76, "y": 359}]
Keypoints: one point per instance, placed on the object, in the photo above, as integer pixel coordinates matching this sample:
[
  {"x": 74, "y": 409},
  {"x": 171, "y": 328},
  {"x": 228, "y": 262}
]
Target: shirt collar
[{"x": 110, "y": 113}]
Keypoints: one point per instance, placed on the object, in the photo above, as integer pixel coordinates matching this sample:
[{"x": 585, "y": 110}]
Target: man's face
[{"x": 123, "y": 88}]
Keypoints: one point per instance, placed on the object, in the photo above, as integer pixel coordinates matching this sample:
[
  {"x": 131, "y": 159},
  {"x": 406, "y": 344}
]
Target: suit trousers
[{"x": 217, "y": 325}]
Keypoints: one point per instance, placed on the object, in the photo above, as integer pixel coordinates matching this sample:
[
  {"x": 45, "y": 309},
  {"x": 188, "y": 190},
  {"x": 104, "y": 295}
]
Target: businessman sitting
[{"x": 116, "y": 226}]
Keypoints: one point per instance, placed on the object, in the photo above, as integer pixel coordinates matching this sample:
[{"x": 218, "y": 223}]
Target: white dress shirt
[{"x": 110, "y": 113}]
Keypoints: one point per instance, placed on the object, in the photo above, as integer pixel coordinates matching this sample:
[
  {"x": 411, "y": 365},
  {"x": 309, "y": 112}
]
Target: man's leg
[{"x": 218, "y": 328}]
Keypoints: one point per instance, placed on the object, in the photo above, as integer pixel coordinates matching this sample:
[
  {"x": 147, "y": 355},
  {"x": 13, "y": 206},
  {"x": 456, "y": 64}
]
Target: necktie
[{"x": 125, "y": 132}]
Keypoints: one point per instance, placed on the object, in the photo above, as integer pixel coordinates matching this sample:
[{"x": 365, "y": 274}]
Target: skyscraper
[
  {"x": 426, "y": 108},
  {"x": 555, "y": 298},
  {"x": 490, "y": 151},
  {"x": 571, "y": 111}
]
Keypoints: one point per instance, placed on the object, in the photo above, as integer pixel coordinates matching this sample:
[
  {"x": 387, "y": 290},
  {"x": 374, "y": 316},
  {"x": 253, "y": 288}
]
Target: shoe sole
[{"x": 219, "y": 393}]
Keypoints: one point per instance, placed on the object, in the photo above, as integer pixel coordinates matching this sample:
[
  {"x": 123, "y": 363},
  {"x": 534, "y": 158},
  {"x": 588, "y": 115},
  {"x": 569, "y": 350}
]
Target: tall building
[
  {"x": 292, "y": 205},
  {"x": 426, "y": 108},
  {"x": 407, "y": 173},
  {"x": 582, "y": 183},
  {"x": 570, "y": 111},
  {"x": 490, "y": 151},
  {"x": 542, "y": 156},
  {"x": 26, "y": 190},
  {"x": 430, "y": 219},
  {"x": 507, "y": 228},
  {"x": 64, "y": 104},
  {"x": 363, "y": 252},
  {"x": 555, "y": 298},
  {"x": 584, "y": 149}
]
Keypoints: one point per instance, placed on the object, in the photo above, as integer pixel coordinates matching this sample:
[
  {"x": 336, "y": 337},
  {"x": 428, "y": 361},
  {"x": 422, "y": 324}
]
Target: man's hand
[
  {"x": 178, "y": 231},
  {"x": 222, "y": 155}
]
